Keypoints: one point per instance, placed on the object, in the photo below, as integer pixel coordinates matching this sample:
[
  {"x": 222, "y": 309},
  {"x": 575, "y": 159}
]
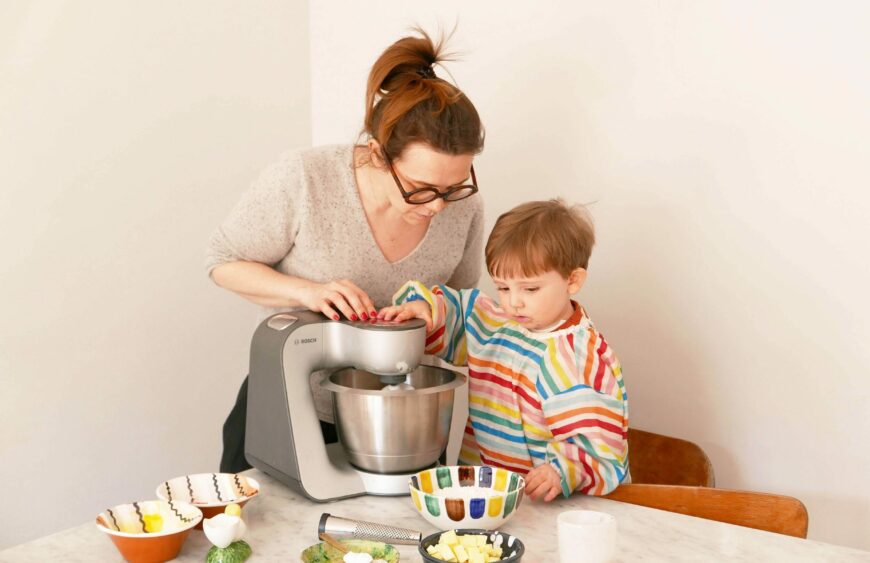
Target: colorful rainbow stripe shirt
[{"x": 555, "y": 397}]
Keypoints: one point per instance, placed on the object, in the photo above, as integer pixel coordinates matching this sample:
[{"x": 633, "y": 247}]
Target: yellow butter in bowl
[
  {"x": 467, "y": 548},
  {"x": 471, "y": 546}
]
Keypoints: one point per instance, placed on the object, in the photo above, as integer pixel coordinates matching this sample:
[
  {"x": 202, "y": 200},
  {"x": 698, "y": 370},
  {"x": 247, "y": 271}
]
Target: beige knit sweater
[{"x": 304, "y": 217}]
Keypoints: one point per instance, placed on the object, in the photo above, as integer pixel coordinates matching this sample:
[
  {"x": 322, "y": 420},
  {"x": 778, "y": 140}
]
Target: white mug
[{"x": 586, "y": 536}]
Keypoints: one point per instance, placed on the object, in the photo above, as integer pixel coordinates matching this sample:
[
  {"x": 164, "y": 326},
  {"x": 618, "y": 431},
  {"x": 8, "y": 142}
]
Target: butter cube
[
  {"x": 448, "y": 538},
  {"x": 475, "y": 557},
  {"x": 461, "y": 554},
  {"x": 445, "y": 552},
  {"x": 468, "y": 541},
  {"x": 481, "y": 540}
]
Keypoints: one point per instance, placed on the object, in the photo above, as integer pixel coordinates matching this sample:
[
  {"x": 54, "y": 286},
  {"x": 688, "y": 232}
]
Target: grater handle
[{"x": 346, "y": 528}]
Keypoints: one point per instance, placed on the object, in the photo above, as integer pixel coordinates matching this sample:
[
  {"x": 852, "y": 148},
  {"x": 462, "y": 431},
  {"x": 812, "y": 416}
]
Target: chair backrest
[
  {"x": 663, "y": 460},
  {"x": 762, "y": 511}
]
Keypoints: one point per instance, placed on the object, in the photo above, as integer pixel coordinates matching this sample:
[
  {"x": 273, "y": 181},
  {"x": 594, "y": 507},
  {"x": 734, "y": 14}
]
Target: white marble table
[{"x": 282, "y": 523}]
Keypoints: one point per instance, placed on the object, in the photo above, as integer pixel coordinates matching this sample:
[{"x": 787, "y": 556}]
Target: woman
[{"x": 337, "y": 229}]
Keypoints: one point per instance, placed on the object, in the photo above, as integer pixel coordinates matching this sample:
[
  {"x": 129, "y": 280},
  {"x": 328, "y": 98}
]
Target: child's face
[{"x": 540, "y": 301}]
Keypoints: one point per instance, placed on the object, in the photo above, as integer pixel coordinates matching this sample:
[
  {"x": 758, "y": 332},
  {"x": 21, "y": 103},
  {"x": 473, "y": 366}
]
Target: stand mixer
[{"x": 392, "y": 414}]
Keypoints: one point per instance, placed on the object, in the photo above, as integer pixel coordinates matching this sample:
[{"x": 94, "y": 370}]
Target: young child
[{"x": 546, "y": 396}]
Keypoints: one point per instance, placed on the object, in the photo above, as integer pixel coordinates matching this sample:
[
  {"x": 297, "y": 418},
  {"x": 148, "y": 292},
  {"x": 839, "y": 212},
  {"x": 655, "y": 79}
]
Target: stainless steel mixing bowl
[{"x": 385, "y": 429}]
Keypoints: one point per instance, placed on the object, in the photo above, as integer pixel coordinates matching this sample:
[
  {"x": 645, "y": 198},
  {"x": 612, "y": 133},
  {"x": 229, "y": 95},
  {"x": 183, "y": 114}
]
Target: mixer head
[{"x": 389, "y": 350}]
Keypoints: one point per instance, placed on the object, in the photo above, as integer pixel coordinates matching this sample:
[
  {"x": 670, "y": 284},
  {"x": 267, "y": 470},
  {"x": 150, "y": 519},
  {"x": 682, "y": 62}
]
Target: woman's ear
[
  {"x": 375, "y": 154},
  {"x": 576, "y": 280}
]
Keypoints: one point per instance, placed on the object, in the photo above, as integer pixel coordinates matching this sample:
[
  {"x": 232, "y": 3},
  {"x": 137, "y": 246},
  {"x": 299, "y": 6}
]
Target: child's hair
[
  {"x": 538, "y": 237},
  {"x": 406, "y": 102}
]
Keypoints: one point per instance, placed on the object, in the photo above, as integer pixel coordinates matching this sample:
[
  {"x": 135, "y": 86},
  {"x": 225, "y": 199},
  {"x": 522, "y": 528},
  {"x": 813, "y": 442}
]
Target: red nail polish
[
  {"x": 354, "y": 317},
  {"x": 365, "y": 316},
  {"x": 374, "y": 313},
  {"x": 335, "y": 317}
]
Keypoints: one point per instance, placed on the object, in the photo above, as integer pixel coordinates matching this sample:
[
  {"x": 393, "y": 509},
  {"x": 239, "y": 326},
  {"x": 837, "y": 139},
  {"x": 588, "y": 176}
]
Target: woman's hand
[
  {"x": 408, "y": 311},
  {"x": 543, "y": 482},
  {"x": 342, "y": 295}
]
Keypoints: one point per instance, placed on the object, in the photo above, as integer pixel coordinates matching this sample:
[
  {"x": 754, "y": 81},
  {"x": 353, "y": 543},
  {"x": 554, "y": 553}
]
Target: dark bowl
[{"x": 509, "y": 554}]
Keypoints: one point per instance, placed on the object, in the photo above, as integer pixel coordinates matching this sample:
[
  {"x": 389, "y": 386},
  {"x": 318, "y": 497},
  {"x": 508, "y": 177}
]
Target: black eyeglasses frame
[{"x": 467, "y": 189}]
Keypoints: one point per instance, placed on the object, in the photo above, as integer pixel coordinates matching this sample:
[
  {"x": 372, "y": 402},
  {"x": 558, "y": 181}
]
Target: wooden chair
[
  {"x": 762, "y": 511},
  {"x": 663, "y": 460}
]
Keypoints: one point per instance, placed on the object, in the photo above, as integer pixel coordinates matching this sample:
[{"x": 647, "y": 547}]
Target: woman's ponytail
[{"x": 406, "y": 102}]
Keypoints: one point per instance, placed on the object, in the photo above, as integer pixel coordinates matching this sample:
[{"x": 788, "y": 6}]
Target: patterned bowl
[
  {"x": 467, "y": 496},
  {"x": 210, "y": 492},
  {"x": 150, "y": 531}
]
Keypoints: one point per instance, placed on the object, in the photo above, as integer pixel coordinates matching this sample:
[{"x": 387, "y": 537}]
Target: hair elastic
[{"x": 426, "y": 72}]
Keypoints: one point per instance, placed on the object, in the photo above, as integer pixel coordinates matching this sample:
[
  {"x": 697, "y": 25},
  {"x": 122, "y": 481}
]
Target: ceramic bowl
[
  {"x": 467, "y": 496},
  {"x": 209, "y": 492},
  {"x": 512, "y": 548},
  {"x": 149, "y": 531}
]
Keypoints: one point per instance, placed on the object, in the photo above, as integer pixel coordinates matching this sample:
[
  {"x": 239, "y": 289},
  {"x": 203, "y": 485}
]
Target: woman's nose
[{"x": 437, "y": 205}]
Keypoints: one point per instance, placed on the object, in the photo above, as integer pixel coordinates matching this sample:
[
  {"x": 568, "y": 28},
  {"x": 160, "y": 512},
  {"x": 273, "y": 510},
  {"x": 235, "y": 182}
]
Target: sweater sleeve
[
  {"x": 467, "y": 273},
  {"x": 263, "y": 225},
  {"x": 586, "y": 410},
  {"x": 447, "y": 338}
]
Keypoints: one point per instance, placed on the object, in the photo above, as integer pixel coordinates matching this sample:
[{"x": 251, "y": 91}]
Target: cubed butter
[
  {"x": 448, "y": 538},
  {"x": 446, "y": 552}
]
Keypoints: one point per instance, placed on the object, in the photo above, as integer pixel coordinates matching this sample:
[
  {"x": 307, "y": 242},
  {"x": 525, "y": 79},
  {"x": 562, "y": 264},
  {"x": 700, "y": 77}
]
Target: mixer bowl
[{"x": 393, "y": 429}]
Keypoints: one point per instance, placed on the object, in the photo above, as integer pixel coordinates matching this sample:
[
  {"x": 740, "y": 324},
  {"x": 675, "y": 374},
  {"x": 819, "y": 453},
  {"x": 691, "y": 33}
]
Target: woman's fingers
[
  {"x": 337, "y": 300},
  {"x": 356, "y": 298},
  {"x": 328, "y": 311}
]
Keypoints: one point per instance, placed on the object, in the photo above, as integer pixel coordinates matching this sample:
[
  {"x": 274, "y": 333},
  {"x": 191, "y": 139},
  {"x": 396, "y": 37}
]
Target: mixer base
[{"x": 388, "y": 485}]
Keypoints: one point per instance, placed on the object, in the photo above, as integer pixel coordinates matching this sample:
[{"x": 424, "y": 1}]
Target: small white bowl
[{"x": 210, "y": 492}]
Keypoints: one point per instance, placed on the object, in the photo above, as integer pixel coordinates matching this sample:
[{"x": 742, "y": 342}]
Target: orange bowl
[{"x": 149, "y": 531}]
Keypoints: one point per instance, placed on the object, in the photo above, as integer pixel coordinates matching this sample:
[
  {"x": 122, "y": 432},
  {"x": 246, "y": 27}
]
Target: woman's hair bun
[{"x": 407, "y": 102}]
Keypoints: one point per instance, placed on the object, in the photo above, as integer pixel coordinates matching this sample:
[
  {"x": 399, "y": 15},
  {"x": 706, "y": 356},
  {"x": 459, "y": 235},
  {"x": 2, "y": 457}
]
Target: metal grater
[{"x": 343, "y": 528}]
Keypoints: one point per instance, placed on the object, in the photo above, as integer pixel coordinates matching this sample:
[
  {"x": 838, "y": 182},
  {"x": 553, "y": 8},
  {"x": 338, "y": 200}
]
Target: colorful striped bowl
[
  {"x": 467, "y": 496},
  {"x": 209, "y": 492},
  {"x": 149, "y": 531}
]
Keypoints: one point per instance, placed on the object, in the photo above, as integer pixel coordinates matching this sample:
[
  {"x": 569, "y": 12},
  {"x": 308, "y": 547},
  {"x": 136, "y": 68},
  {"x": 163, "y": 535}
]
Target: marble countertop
[{"x": 281, "y": 523}]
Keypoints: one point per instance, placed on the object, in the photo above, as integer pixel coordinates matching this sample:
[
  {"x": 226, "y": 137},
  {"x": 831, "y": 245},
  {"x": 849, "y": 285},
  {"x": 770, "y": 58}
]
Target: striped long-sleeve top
[{"x": 555, "y": 397}]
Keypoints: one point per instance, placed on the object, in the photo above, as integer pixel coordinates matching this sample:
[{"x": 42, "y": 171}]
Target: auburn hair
[
  {"x": 406, "y": 102},
  {"x": 538, "y": 237}
]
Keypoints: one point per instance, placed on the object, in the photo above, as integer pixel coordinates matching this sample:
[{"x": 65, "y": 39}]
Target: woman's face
[{"x": 421, "y": 166}]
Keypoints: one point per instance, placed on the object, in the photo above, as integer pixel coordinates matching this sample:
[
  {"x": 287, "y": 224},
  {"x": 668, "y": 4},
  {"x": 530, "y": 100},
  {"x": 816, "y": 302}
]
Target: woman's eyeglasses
[{"x": 425, "y": 195}]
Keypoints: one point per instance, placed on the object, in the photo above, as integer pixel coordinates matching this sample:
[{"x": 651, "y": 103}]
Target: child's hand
[
  {"x": 543, "y": 482},
  {"x": 407, "y": 311}
]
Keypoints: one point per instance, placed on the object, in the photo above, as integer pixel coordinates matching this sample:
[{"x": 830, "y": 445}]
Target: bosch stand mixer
[{"x": 393, "y": 415}]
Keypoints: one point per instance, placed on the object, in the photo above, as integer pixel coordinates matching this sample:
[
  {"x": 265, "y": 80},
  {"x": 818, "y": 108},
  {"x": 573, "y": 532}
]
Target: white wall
[
  {"x": 724, "y": 145},
  {"x": 127, "y": 131}
]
